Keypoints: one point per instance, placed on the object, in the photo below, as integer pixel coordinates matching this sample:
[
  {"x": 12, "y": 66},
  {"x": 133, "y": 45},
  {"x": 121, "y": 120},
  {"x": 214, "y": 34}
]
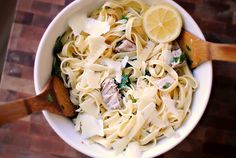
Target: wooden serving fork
[
  {"x": 54, "y": 98},
  {"x": 199, "y": 51}
]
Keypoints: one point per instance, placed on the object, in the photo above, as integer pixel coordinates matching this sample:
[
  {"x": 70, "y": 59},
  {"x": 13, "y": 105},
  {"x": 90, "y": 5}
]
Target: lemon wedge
[{"x": 162, "y": 23}]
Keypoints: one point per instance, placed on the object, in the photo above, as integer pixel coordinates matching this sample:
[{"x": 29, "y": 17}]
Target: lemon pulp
[{"x": 162, "y": 23}]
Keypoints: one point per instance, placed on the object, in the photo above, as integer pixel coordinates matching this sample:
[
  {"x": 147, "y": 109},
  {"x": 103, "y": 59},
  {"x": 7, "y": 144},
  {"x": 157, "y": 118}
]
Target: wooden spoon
[
  {"x": 199, "y": 51},
  {"x": 54, "y": 98}
]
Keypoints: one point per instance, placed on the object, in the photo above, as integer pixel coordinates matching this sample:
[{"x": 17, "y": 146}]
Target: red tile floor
[{"x": 214, "y": 136}]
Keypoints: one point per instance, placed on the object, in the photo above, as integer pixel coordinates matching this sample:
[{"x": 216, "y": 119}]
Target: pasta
[{"x": 128, "y": 89}]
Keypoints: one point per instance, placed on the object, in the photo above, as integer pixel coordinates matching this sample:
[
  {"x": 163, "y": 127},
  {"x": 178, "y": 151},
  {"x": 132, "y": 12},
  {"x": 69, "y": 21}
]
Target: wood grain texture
[
  {"x": 214, "y": 136},
  {"x": 199, "y": 51},
  {"x": 223, "y": 52},
  {"x": 53, "y": 98}
]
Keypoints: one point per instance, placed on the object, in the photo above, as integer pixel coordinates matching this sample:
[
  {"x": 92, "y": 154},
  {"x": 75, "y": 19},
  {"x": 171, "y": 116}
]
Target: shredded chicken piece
[
  {"x": 126, "y": 46},
  {"x": 110, "y": 94}
]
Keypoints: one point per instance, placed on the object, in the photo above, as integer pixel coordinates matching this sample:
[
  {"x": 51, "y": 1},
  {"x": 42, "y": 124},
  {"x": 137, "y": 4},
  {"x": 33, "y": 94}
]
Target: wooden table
[{"x": 214, "y": 136}]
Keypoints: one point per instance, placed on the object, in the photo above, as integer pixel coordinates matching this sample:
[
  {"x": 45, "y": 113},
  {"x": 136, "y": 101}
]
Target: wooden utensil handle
[
  {"x": 20, "y": 108},
  {"x": 17, "y": 109},
  {"x": 223, "y": 52}
]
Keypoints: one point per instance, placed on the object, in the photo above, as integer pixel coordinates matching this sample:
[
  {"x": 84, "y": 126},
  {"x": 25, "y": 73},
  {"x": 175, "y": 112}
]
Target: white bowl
[{"x": 65, "y": 128}]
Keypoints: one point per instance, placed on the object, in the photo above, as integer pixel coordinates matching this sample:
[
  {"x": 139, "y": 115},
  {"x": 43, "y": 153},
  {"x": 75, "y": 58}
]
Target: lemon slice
[{"x": 162, "y": 23}]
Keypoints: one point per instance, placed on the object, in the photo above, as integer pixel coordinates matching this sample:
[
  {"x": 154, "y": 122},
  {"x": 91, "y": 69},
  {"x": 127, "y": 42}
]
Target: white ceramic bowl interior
[{"x": 65, "y": 128}]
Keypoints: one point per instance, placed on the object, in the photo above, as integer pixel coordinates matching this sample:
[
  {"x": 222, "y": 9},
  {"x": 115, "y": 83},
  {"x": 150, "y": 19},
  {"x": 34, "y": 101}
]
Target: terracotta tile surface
[{"x": 32, "y": 137}]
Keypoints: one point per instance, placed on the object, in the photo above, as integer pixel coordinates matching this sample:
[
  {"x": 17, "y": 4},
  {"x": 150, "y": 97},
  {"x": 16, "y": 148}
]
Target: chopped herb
[
  {"x": 188, "y": 48},
  {"x": 56, "y": 61},
  {"x": 50, "y": 98},
  {"x": 124, "y": 17},
  {"x": 166, "y": 85},
  {"x": 56, "y": 66},
  {"x": 176, "y": 59},
  {"x": 189, "y": 61},
  {"x": 147, "y": 73},
  {"x": 124, "y": 82},
  {"x": 179, "y": 59},
  {"x": 58, "y": 46},
  {"x": 182, "y": 57},
  {"x": 128, "y": 65},
  {"x": 134, "y": 100}
]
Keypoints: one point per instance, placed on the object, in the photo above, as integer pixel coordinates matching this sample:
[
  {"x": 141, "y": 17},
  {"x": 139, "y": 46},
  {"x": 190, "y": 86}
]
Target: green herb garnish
[
  {"x": 49, "y": 98},
  {"x": 166, "y": 85},
  {"x": 188, "y": 48},
  {"x": 56, "y": 67},
  {"x": 182, "y": 57},
  {"x": 56, "y": 61},
  {"x": 189, "y": 61},
  {"x": 128, "y": 65},
  {"x": 179, "y": 59},
  {"x": 176, "y": 59},
  {"x": 134, "y": 100},
  {"x": 124, "y": 17},
  {"x": 124, "y": 82},
  {"x": 58, "y": 46}
]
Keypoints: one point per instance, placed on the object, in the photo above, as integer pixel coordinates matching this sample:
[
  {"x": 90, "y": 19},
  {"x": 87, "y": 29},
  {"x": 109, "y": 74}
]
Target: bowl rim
[{"x": 47, "y": 114}]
